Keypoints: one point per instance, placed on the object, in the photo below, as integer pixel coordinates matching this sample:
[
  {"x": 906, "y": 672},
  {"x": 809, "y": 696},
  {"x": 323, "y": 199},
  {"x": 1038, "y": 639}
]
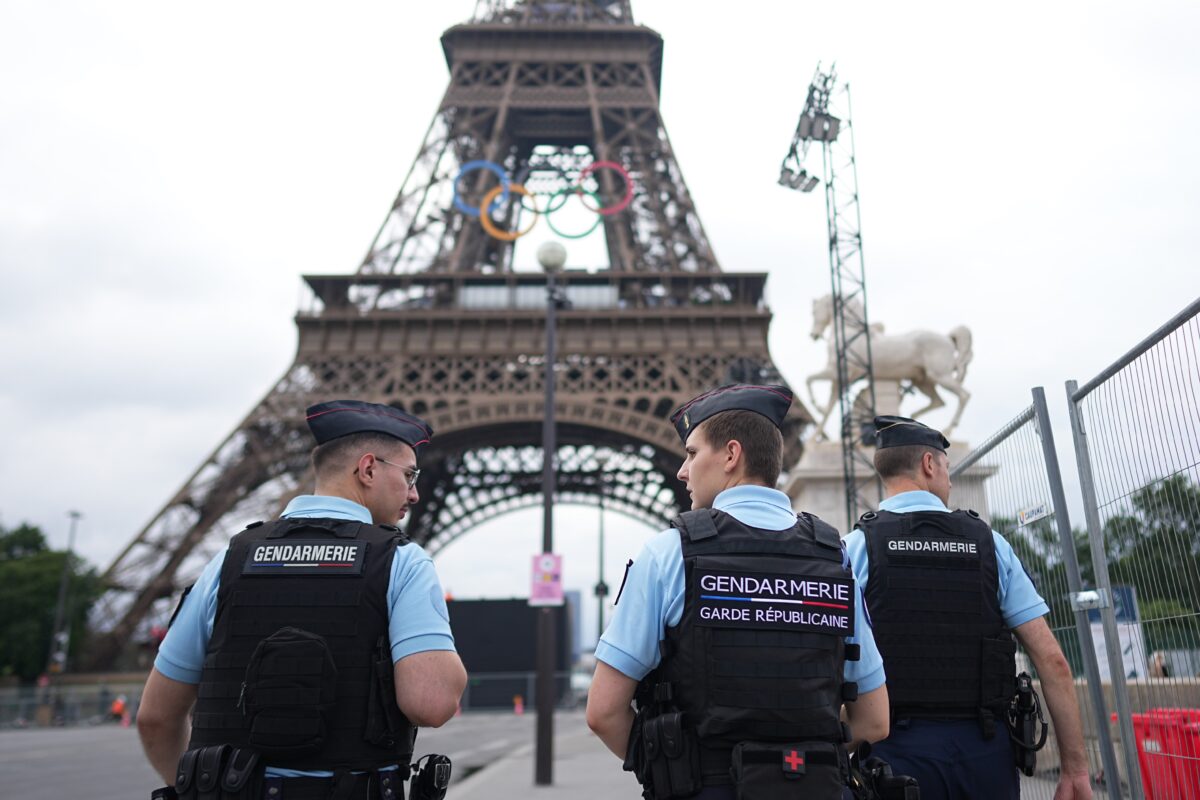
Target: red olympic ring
[{"x": 625, "y": 201}]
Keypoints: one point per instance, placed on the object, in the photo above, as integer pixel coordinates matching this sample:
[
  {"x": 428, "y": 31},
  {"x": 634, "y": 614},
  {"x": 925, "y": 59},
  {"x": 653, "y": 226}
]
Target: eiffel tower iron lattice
[{"x": 437, "y": 321}]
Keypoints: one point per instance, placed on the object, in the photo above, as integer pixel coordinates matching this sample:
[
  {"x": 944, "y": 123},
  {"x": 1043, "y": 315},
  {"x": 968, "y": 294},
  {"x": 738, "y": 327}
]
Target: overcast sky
[{"x": 168, "y": 172}]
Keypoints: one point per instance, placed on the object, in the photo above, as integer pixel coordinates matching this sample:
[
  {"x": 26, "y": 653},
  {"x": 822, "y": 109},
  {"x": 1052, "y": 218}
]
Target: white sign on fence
[{"x": 1033, "y": 514}]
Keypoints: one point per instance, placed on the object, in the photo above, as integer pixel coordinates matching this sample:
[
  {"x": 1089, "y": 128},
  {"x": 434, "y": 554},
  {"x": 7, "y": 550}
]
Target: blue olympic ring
[{"x": 495, "y": 169}]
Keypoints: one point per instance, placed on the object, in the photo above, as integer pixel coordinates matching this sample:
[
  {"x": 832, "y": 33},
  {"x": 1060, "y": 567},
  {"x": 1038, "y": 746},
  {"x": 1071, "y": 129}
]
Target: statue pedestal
[
  {"x": 887, "y": 398},
  {"x": 816, "y": 483}
]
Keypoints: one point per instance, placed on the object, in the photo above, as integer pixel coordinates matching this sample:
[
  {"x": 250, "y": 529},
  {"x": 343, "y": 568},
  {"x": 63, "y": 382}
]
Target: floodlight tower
[{"x": 826, "y": 114}]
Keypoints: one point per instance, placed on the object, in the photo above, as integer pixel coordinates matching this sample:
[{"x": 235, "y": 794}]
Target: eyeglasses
[{"x": 410, "y": 474}]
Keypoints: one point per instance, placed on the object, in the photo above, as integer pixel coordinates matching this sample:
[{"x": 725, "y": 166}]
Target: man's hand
[
  {"x": 1074, "y": 787},
  {"x": 1058, "y": 690}
]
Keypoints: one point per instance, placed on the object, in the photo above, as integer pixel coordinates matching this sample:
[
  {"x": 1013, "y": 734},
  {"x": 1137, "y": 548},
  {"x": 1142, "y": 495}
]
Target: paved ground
[
  {"x": 583, "y": 770},
  {"x": 492, "y": 753}
]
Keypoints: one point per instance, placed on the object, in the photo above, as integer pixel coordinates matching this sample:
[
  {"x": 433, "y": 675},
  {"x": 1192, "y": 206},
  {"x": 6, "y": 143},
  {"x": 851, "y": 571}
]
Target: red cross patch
[{"x": 794, "y": 762}]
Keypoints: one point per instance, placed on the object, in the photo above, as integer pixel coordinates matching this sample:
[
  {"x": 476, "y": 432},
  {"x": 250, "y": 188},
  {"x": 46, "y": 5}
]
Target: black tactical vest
[
  {"x": 931, "y": 594},
  {"x": 299, "y": 664},
  {"x": 759, "y": 649}
]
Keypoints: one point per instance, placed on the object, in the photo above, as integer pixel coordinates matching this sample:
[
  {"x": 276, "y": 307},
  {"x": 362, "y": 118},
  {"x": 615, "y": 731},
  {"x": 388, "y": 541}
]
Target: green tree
[
  {"x": 1169, "y": 625},
  {"x": 29, "y": 578},
  {"x": 1154, "y": 546},
  {"x": 1039, "y": 548}
]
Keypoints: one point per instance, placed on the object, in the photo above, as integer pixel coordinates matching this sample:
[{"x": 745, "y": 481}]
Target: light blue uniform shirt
[
  {"x": 418, "y": 620},
  {"x": 1019, "y": 600},
  {"x": 652, "y": 599}
]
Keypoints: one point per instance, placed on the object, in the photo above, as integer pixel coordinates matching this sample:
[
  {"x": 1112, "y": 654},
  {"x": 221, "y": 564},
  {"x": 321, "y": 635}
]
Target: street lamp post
[
  {"x": 601, "y": 586},
  {"x": 552, "y": 256},
  {"x": 57, "y": 661}
]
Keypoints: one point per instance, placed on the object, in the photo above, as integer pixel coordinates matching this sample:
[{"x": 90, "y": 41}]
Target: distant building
[{"x": 497, "y": 641}]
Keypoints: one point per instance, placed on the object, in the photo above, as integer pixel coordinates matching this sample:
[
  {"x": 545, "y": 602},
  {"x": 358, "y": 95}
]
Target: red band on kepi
[
  {"x": 338, "y": 418},
  {"x": 772, "y": 402}
]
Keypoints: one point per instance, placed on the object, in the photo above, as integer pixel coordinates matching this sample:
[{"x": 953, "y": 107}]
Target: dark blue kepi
[
  {"x": 338, "y": 418},
  {"x": 772, "y": 402},
  {"x": 891, "y": 431}
]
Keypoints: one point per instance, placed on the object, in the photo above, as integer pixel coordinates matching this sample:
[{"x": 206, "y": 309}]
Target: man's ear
[
  {"x": 928, "y": 464},
  {"x": 364, "y": 469},
  {"x": 733, "y": 455}
]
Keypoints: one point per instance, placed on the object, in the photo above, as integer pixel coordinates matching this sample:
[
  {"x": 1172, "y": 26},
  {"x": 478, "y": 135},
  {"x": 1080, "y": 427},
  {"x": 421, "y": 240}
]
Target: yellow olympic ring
[{"x": 485, "y": 219}]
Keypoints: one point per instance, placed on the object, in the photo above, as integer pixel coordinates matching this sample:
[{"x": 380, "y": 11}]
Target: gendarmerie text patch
[
  {"x": 919, "y": 549},
  {"x": 958, "y": 547},
  {"x": 784, "y": 602},
  {"x": 306, "y": 557}
]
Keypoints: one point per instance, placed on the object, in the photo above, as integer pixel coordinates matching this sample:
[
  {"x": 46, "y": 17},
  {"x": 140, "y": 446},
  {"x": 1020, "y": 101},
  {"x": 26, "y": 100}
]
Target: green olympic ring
[{"x": 572, "y": 190}]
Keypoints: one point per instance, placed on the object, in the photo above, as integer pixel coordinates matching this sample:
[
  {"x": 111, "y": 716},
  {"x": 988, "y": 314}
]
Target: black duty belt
[{"x": 382, "y": 785}]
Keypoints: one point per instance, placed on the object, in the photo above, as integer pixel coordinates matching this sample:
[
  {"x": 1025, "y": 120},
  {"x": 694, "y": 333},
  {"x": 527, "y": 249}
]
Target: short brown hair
[
  {"x": 905, "y": 460},
  {"x": 338, "y": 453},
  {"x": 761, "y": 441}
]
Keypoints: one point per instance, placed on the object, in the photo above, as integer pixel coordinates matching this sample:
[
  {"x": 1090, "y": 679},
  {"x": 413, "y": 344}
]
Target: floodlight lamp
[{"x": 795, "y": 180}]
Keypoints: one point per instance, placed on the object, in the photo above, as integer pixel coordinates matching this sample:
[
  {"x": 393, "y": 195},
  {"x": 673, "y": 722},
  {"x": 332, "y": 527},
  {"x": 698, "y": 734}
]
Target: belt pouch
[
  {"x": 391, "y": 784},
  {"x": 242, "y": 778},
  {"x": 210, "y": 766},
  {"x": 779, "y": 771},
  {"x": 185, "y": 775},
  {"x": 672, "y": 756}
]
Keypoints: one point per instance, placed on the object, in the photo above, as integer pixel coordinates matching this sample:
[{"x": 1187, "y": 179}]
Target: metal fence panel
[
  {"x": 1013, "y": 479},
  {"x": 1137, "y": 435}
]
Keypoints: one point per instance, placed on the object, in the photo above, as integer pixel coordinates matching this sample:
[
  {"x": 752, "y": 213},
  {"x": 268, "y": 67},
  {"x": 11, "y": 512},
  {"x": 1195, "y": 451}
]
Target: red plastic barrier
[{"x": 1168, "y": 748}]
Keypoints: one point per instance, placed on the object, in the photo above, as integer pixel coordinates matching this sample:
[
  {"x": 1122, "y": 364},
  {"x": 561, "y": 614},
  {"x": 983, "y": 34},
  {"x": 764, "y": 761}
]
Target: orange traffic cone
[{"x": 518, "y": 704}]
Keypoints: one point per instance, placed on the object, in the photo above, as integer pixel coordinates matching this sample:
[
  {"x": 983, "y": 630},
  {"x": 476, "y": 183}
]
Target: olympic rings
[{"x": 496, "y": 197}]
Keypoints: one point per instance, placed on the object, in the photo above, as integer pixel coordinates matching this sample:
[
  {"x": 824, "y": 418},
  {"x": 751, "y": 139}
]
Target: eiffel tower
[{"x": 437, "y": 321}]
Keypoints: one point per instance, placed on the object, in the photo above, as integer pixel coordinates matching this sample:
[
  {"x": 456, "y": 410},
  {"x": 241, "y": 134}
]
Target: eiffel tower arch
[{"x": 437, "y": 321}]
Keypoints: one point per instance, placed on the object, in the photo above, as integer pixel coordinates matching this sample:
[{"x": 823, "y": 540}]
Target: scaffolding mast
[{"x": 826, "y": 119}]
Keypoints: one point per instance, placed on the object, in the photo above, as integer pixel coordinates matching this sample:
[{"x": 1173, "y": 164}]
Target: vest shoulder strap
[
  {"x": 697, "y": 525},
  {"x": 968, "y": 518},
  {"x": 873, "y": 519},
  {"x": 824, "y": 533}
]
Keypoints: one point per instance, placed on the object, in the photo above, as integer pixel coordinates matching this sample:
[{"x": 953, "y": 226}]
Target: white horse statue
[{"x": 923, "y": 359}]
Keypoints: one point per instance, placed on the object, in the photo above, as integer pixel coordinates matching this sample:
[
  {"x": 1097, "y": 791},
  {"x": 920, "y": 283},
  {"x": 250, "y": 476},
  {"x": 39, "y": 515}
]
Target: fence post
[
  {"x": 1112, "y": 642},
  {"x": 1087, "y": 646}
]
